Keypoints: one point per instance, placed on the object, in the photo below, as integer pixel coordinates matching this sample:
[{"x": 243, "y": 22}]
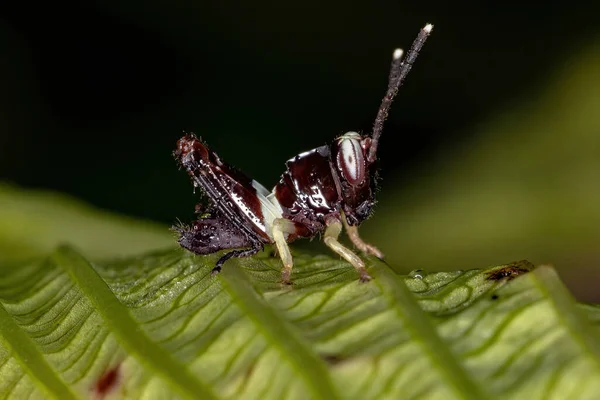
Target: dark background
[{"x": 95, "y": 95}]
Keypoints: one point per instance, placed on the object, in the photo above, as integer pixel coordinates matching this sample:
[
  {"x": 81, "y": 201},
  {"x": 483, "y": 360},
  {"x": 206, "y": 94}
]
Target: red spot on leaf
[{"x": 107, "y": 382}]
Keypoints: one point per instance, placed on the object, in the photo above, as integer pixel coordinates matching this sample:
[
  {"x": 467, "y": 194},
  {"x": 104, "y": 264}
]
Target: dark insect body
[{"x": 321, "y": 190}]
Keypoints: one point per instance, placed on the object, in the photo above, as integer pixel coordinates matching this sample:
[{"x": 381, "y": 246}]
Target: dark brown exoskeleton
[{"x": 321, "y": 190}]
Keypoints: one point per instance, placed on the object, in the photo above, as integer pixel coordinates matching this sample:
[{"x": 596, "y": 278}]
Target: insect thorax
[{"x": 317, "y": 184}]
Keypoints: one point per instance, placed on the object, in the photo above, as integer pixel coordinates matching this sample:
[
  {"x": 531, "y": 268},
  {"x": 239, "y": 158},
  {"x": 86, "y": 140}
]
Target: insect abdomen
[{"x": 209, "y": 235}]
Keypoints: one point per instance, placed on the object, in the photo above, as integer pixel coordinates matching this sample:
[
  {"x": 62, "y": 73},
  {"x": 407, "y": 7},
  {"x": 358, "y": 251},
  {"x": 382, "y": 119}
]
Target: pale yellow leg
[
  {"x": 280, "y": 227},
  {"x": 331, "y": 240},
  {"x": 352, "y": 232}
]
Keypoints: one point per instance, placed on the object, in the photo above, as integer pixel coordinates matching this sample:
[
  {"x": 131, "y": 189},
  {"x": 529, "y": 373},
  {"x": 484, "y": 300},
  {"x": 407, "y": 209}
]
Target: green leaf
[
  {"x": 158, "y": 325},
  {"x": 165, "y": 328}
]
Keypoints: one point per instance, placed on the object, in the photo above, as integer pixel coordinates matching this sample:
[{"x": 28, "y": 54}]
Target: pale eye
[{"x": 351, "y": 161}]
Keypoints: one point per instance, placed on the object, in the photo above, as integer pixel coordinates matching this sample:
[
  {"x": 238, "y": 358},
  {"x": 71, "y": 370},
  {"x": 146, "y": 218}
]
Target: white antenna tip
[
  {"x": 428, "y": 28},
  {"x": 398, "y": 54}
]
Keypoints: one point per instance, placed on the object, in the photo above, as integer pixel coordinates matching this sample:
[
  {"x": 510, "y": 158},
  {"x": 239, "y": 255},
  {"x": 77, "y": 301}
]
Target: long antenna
[{"x": 398, "y": 71}]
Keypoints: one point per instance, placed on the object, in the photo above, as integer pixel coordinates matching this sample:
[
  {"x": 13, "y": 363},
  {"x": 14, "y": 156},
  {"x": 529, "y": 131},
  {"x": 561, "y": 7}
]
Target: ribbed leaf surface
[{"x": 160, "y": 326}]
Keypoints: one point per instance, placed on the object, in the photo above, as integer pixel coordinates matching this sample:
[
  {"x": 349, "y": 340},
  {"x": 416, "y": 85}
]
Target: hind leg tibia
[{"x": 235, "y": 253}]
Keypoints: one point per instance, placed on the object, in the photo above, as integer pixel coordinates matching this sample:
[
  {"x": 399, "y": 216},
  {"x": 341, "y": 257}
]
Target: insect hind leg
[{"x": 235, "y": 253}]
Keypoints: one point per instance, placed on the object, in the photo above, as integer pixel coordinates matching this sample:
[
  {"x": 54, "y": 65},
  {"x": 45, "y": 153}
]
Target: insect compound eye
[{"x": 350, "y": 158}]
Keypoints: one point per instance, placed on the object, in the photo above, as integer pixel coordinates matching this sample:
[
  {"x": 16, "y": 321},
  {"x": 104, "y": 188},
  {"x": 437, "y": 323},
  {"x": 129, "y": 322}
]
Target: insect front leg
[
  {"x": 352, "y": 232},
  {"x": 281, "y": 226},
  {"x": 334, "y": 228}
]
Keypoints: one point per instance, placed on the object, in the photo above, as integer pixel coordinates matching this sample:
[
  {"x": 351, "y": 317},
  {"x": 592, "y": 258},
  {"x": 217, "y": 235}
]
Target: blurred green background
[{"x": 491, "y": 152}]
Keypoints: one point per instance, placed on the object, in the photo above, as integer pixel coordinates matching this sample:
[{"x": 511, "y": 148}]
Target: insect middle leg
[
  {"x": 332, "y": 233},
  {"x": 352, "y": 232},
  {"x": 281, "y": 226}
]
